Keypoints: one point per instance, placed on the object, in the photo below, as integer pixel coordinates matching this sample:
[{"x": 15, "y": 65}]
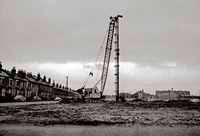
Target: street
[{"x": 26, "y": 103}]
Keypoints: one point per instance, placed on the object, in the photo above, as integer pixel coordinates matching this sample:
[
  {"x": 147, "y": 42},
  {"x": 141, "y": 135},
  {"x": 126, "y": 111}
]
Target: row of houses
[
  {"x": 161, "y": 95},
  {"x": 13, "y": 83}
]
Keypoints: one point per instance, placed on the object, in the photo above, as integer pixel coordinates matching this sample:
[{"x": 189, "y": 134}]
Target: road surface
[
  {"x": 26, "y": 103},
  {"x": 71, "y": 130}
]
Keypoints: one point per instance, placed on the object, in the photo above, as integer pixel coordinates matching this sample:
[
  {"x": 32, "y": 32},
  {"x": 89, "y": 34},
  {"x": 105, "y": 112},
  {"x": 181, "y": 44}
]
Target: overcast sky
[{"x": 159, "y": 41}]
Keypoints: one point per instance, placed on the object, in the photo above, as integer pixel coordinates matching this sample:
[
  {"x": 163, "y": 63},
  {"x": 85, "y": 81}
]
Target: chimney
[
  {"x": 53, "y": 83},
  {"x": 13, "y": 71},
  {"x": 0, "y": 67},
  {"x": 38, "y": 76},
  {"x": 29, "y": 74},
  {"x": 44, "y": 79},
  {"x": 24, "y": 74},
  {"x": 20, "y": 72},
  {"x": 49, "y": 81}
]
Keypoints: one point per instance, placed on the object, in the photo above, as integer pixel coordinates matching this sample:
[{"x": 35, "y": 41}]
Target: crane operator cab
[{"x": 93, "y": 93}]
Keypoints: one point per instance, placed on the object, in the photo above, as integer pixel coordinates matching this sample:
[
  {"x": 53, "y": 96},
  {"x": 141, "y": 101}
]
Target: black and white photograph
[{"x": 99, "y": 68}]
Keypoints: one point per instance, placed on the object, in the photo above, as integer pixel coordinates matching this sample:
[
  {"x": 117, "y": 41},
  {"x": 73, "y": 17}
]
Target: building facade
[
  {"x": 170, "y": 95},
  {"x": 14, "y": 83}
]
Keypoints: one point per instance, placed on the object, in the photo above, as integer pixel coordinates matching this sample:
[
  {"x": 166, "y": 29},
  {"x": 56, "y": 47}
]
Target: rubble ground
[{"x": 104, "y": 113}]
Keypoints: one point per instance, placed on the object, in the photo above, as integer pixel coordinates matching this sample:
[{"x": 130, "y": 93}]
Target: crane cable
[
  {"x": 98, "y": 56},
  {"x": 99, "y": 53}
]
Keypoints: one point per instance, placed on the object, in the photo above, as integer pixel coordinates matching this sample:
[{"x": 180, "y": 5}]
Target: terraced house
[
  {"x": 14, "y": 83},
  {"x": 5, "y": 85}
]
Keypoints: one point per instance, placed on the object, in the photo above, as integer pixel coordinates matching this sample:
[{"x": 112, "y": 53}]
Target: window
[
  {"x": 3, "y": 92},
  {"x": 9, "y": 91},
  {"x": 10, "y": 82},
  {"x": 27, "y": 84},
  {"x": 22, "y": 84},
  {"x": 2, "y": 81},
  {"x": 17, "y": 83}
]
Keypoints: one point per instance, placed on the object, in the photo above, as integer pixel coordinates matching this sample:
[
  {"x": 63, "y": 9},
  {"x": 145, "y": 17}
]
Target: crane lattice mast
[{"x": 114, "y": 25}]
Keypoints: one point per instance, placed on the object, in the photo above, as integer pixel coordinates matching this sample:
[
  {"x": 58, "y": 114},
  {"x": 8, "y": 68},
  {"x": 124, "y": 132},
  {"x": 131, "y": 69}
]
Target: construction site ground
[{"x": 101, "y": 118}]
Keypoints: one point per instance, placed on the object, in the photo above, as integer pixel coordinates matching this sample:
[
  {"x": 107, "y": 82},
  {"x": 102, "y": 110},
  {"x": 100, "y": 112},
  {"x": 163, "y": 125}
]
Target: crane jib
[{"x": 107, "y": 54}]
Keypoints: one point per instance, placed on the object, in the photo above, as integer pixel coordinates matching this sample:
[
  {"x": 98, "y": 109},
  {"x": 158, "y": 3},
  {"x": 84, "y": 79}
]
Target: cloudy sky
[{"x": 159, "y": 41}]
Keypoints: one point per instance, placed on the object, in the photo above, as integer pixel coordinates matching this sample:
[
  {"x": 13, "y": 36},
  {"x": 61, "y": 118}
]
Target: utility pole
[
  {"x": 117, "y": 56},
  {"x": 67, "y": 82}
]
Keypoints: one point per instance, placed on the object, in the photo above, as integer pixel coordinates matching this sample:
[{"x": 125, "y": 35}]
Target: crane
[{"x": 113, "y": 28}]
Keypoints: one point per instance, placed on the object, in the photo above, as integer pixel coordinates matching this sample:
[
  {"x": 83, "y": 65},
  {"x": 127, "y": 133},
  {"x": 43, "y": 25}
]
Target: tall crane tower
[
  {"x": 93, "y": 93},
  {"x": 113, "y": 27}
]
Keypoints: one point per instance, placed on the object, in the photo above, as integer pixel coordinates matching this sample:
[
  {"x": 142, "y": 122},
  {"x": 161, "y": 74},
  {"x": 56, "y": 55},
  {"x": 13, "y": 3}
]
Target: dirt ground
[{"x": 101, "y": 118}]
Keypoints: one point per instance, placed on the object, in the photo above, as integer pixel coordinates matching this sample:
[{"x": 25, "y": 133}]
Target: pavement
[{"x": 26, "y": 103}]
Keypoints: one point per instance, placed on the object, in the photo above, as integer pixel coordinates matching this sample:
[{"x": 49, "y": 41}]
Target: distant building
[
  {"x": 170, "y": 95},
  {"x": 152, "y": 98},
  {"x": 144, "y": 96}
]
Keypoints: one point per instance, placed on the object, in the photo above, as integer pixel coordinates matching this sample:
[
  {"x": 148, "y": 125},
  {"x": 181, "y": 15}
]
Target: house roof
[
  {"x": 31, "y": 79},
  {"x": 3, "y": 73},
  {"x": 16, "y": 76},
  {"x": 40, "y": 81}
]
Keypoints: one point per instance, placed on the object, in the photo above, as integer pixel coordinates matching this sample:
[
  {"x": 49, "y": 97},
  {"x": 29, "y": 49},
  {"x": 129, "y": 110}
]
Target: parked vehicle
[
  {"x": 36, "y": 98},
  {"x": 57, "y": 99},
  {"x": 20, "y": 98}
]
